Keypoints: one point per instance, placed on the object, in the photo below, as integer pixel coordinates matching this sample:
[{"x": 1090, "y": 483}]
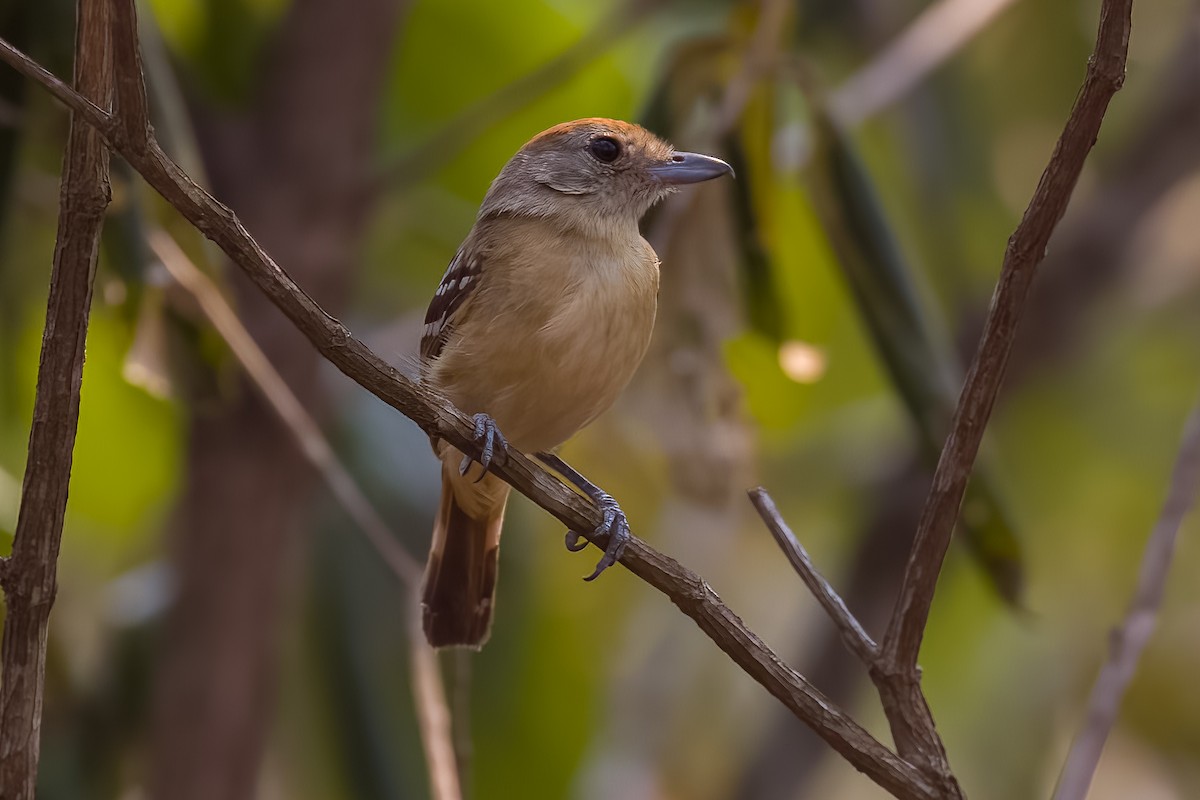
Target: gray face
[{"x": 594, "y": 167}]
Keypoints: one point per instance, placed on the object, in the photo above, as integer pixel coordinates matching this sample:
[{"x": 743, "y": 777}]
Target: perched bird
[{"x": 540, "y": 321}]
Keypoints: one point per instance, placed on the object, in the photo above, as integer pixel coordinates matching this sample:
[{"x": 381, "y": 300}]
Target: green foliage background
[{"x": 602, "y": 690}]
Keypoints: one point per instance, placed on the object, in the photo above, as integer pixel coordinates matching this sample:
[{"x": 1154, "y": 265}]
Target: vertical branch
[
  {"x": 29, "y": 577},
  {"x": 433, "y": 710},
  {"x": 129, "y": 83},
  {"x": 1130, "y": 639}
]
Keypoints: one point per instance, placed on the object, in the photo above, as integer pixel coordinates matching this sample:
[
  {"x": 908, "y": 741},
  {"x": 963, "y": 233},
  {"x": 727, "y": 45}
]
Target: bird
[{"x": 537, "y": 325}]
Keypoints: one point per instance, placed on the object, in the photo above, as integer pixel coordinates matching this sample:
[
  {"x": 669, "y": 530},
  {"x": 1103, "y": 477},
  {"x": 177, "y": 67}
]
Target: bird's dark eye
[{"x": 605, "y": 148}]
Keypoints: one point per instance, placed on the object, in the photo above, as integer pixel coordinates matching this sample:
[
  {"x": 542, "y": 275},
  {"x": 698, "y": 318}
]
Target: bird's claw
[
  {"x": 488, "y": 436},
  {"x": 617, "y": 528}
]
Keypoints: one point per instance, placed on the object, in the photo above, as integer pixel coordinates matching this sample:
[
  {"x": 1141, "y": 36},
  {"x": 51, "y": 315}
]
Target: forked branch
[
  {"x": 437, "y": 417},
  {"x": 920, "y": 770}
]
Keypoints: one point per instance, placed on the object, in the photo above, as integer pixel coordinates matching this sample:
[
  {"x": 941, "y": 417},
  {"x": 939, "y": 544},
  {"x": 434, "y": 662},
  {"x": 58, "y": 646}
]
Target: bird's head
[{"x": 594, "y": 172}]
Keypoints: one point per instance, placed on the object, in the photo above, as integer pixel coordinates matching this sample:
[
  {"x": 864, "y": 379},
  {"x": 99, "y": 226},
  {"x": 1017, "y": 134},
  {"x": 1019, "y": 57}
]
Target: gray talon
[
  {"x": 617, "y": 528},
  {"x": 488, "y": 436},
  {"x": 613, "y": 522}
]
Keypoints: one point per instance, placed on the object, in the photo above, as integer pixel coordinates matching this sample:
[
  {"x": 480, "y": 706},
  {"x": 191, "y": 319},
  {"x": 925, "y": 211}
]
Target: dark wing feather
[{"x": 461, "y": 278}]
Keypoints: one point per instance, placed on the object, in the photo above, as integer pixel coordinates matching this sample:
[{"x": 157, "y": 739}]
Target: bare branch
[
  {"x": 940, "y": 31},
  {"x": 456, "y": 134},
  {"x": 77, "y": 103},
  {"x": 857, "y": 640},
  {"x": 428, "y": 692},
  {"x": 287, "y": 406},
  {"x": 896, "y": 674},
  {"x": 1026, "y": 249},
  {"x": 1130, "y": 639},
  {"x": 433, "y": 711},
  {"x": 130, "y": 102},
  {"x": 30, "y": 581},
  {"x": 433, "y": 715},
  {"x": 437, "y": 417}
]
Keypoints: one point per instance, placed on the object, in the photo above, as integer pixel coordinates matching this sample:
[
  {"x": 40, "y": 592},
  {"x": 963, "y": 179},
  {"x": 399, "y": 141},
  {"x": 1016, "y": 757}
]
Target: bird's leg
[
  {"x": 614, "y": 522},
  {"x": 487, "y": 436}
]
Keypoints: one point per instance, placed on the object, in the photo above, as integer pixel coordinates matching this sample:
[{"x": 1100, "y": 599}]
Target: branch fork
[{"x": 918, "y": 769}]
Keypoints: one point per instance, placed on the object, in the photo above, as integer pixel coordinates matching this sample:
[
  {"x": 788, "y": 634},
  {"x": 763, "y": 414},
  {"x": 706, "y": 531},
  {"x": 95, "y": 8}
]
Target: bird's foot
[
  {"x": 614, "y": 524},
  {"x": 488, "y": 436},
  {"x": 613, "y": 520}
]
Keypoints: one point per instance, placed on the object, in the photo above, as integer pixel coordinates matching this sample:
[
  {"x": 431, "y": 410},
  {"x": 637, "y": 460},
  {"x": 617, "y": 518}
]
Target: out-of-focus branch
[
  {"x": 897, "y": 675},
  {"x": 940, "y": 31},
  {"x": 296, "y": 164},
  {"x": 29, "y": 576},
  {"x": 287, "y": 406},
  {"x": 429, "y": 693},
  {"x": 893, "y": 668},
  {"x": 1130, "y": 639},
  {"x": 1091, "y": 249},
  {"x": 455, "y": 135},
  {"x": 433, "y": 710},
  {"x": 438, "y": 417}
]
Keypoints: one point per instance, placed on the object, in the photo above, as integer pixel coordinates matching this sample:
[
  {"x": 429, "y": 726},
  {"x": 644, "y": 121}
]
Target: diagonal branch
[
  {"x": 1130, "y": 639},
  {"x": 454, "y": 135},
  {"x": 437, "y": 417},
  {"x": 893, "y": 666},
  {"x": 291, "y": 412},
  {"x": 857, "y": 640},
  {"x": 940, "y": 31},
  {"x": 30, "y": 580},
  {"x": 896, "y": 674},
  {"x": 1026, "y": 249},
  {"x": 429, "y": 693}
]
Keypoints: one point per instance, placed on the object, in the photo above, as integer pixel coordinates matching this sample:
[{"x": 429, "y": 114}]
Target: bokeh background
[{"x": 223, "y": 631}]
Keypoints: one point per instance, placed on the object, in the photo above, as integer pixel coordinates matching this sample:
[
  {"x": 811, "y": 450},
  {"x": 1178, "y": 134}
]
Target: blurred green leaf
[{"x": 914, "y": 350}]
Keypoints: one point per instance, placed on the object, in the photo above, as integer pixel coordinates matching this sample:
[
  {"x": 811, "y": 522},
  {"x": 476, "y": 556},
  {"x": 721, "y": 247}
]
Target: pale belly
[{"x": 542, "y": 383}]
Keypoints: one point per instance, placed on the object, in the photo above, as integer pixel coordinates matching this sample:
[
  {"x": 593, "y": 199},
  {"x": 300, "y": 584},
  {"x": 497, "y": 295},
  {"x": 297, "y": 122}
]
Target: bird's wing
[{"x": 461, "y": 278}]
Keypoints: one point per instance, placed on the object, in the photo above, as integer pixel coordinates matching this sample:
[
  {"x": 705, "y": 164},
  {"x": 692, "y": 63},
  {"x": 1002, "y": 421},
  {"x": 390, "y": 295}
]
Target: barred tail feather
[{"x": 458, "y": 595}]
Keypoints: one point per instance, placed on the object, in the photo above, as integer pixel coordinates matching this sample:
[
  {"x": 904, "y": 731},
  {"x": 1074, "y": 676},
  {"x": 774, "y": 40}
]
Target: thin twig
[
  {"x": 466, "y": 127},
  {"x": 1129, "y": 640},
  {"x": 437, "y": 417},
  {"x": 75, "y": 102},
  {"x": 287, "y": 406},
  {"x": 30, "y": 581},
  {"x": 857, "y": 640},
  {"x": 940, "y": 31},
  {"x": 433, "y": 716},
  {"x": 433, "y": 710}
]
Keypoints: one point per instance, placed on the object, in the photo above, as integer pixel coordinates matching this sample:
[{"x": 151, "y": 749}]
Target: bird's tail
[{"x": 460, "y": 576}]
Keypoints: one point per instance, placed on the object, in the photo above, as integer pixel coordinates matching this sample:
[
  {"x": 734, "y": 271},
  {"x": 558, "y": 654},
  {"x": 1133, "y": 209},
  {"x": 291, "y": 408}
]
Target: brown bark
[
  {"x": 1087, "y": 256},
  {"x": 297, "y": 169},
  {"x": 438, "y": 418},
  {"x": 921, "y": 770},
  {"x": 29, "y": 575}
]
